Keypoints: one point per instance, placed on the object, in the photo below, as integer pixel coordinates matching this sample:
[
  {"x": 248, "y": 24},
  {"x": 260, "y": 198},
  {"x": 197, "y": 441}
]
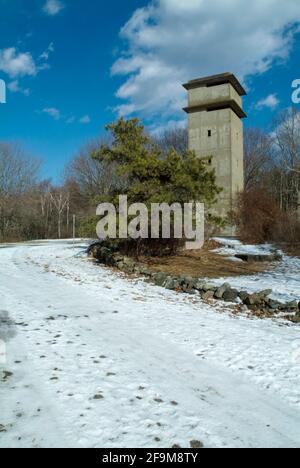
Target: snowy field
[
  {"x": 283, "y": 277},
  {"x": 95, "y": 360}
]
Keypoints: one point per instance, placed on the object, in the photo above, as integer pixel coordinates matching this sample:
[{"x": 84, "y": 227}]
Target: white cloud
[
  {"x": 171, "y": 41},
  {"x": 85, "y": 119},
  {"x": 70, "y": 120},
  {"x": 15, "y": 87},
  {"x": 17, "y": 64},
  {"x": 45, "y": 55},
  {"x": 56, "y": 114},
  {"x": 157, "y": 130},
  {"x": 52, "y": 112},
  {"x": 270, "y": 102},
  {"x": 53, "y": 7}
]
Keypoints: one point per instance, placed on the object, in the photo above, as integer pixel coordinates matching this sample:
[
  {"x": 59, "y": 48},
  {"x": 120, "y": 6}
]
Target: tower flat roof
[{"x": 216, "y": 80}]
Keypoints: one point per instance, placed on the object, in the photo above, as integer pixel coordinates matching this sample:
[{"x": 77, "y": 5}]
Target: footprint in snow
[
  {"x": 6, "y": 375},
  {"x": 158, "y": 400},
  {"x": 98, "y": 397}
]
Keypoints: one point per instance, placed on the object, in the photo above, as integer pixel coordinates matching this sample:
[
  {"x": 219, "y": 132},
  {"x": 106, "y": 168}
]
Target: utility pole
[{"x": 74, "y": 229}]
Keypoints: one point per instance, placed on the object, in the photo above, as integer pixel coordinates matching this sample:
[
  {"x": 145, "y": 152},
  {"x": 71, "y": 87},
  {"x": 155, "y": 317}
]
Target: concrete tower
[{"x": 216, "y": 132}]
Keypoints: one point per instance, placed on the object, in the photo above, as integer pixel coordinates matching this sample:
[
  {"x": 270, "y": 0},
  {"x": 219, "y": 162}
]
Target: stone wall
[{"x": 259, "y": 304}]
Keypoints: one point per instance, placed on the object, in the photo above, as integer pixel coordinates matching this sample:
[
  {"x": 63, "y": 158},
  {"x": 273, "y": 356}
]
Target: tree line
[{"x": 131, "y": 161}]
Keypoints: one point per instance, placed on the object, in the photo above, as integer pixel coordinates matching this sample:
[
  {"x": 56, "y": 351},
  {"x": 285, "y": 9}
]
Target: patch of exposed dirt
[{"x": 203, "y": 263}]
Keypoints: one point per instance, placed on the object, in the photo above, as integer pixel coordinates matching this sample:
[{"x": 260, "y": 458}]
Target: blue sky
[{"x": 72, "y": 66}]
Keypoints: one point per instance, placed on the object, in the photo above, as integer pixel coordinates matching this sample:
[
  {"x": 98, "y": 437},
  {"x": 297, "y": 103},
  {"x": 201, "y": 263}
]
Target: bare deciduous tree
[
  {"x": 287, "y": 140},
  {"x": 176, "y": 138},
  {"x": 18, "y": 171},
  {"x": 61, "y": 201},
  {"x": 258, "y": 149},
  {"x": 18, "y": 175},
  {"x": 93, "y": 177}
]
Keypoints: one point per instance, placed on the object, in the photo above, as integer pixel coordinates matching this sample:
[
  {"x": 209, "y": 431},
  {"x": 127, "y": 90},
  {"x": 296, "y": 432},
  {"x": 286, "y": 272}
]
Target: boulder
[
  {"x": 265, "y": 293},
  {"x": 103, "y": 255},
  {"x": 172, "y": 284},
  {"x": 159, "y": 278},
  {"x": 199, "y": 285},
  {"x": 250, "y": 258},
  {"x": 188, "y": 284},
  {"x": 252, "y": 300},
  {"x": 272, "y": 304},
  {"x": 293, "y": 305},
  {"x": 145, "y": 271},
  {"x": 128, "y": 261},
  {"x": 208, "y": 287},
  {"x": 243, "y": 295},
  {"x": 230, "y": 295},
  {"x": 207, "y": 295},
  {"x": 221, "y": 290}
]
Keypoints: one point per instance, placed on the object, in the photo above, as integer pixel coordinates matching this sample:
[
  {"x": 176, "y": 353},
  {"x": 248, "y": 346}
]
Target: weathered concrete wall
[
  {"x": 214, "y": 94},
  {"x": 218, "y": 134}
]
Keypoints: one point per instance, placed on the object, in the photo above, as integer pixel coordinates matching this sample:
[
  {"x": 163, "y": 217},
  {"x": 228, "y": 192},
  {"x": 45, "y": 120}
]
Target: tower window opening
[{"x": 209, "y": 133}]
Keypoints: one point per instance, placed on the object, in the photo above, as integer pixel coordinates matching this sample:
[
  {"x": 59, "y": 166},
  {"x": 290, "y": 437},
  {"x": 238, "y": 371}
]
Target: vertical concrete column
[{"x": 215, "y": 113}]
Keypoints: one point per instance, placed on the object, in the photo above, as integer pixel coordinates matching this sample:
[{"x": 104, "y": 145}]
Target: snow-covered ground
[
  {"x": 283, "y": 277},
  {"x": 101, "y": 361}
]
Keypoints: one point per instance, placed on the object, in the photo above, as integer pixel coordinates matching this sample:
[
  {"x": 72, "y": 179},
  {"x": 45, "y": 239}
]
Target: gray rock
[
  {"x": 207, "y": 295},
  {"x": 250, "y": 258},
  {"x": 129, "y": 269},
  {"x": 140, "y": 269},
  {"x": 221, "y": 290},
  {"x": 128, "y": 261},
  {"x": 252, "y": 300},
  {"x": 120, "y": 265},
  {"x": 103, "y": 254},
  {"x": 172, "y": 284},
  {"x": 145, "y": 271},
  {"x": 230, "y": 295},
  {"x": 199, "y": 285},
  {"x": 293, "y": 305},
  {"x": 243, "y": 295},
  {"x": 119, "y": 258},
  {"x": 264, "y": 294},
  {"x": 272, "y": 304},
  {"x": 190, "y": 282},
  {"x": 159, "y": 278},
  {"x": 208, "y": 287}
]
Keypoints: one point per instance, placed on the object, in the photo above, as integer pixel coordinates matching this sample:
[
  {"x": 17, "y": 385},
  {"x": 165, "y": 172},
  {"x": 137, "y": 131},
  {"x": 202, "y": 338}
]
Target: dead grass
[
  {"x": 203, "y": 263},
  {"x": 293, "y": 251}
]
